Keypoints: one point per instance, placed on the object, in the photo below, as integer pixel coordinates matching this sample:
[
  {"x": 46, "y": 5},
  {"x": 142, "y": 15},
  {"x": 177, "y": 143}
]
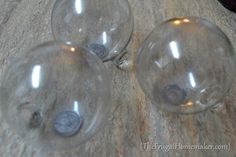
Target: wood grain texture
[{"x": 134, "y": 120}]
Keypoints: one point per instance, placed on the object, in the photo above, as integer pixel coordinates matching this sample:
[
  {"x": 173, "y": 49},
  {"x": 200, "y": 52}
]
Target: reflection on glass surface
[
  {"x": 35, "y": 77},
  {"x": 174, "y": 49},
  {"x": 186, "y": 20},
  {"x": 72, "y": 49},
  {"x": 192, "y": 79},
  {"x": 104, "y": 37},
  {"x": 78, "y": 6},
  {"x": 76, "y": 106},
  {"x": 177, "y": 22}
]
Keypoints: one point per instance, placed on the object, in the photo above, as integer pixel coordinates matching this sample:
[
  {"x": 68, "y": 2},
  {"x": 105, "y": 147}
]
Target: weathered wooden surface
[{"x": 134, "y": 120}]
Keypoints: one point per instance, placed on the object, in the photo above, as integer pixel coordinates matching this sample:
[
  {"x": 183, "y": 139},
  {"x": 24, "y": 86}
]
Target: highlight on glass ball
[
  {"x": 104, "y": 27},
  {"x": 186, "y": 65},
  {"x": 55, "y": 96}
]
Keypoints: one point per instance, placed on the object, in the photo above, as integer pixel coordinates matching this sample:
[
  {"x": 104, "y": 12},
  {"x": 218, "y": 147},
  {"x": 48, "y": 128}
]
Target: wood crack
[{"x": 6, "y": 14}]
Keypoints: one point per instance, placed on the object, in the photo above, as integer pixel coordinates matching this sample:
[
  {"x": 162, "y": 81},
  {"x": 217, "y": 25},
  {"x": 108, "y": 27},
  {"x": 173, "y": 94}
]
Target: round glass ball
[
  {"x": 186, "y": 65},
  {"x": 56, "y": 96},
  {"x": 104, "y": 27}
]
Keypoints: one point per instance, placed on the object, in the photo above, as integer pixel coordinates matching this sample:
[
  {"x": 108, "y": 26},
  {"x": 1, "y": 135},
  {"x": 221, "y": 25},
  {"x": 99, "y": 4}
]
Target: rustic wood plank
[{"x": 134, "y": 120}]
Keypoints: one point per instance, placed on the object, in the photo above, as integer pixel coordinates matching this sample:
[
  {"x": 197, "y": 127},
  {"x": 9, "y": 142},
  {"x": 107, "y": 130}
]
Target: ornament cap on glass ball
[
  {"x": 59, "y": 95},
  {"x": 186, "y": 65}
]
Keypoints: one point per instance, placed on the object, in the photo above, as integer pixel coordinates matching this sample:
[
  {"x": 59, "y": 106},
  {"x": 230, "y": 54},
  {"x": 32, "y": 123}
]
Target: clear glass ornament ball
[
  {"x": 186, "y": 65},
  {"x": 56, "y": 96},
  {"x": 104, "y": 26}
]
